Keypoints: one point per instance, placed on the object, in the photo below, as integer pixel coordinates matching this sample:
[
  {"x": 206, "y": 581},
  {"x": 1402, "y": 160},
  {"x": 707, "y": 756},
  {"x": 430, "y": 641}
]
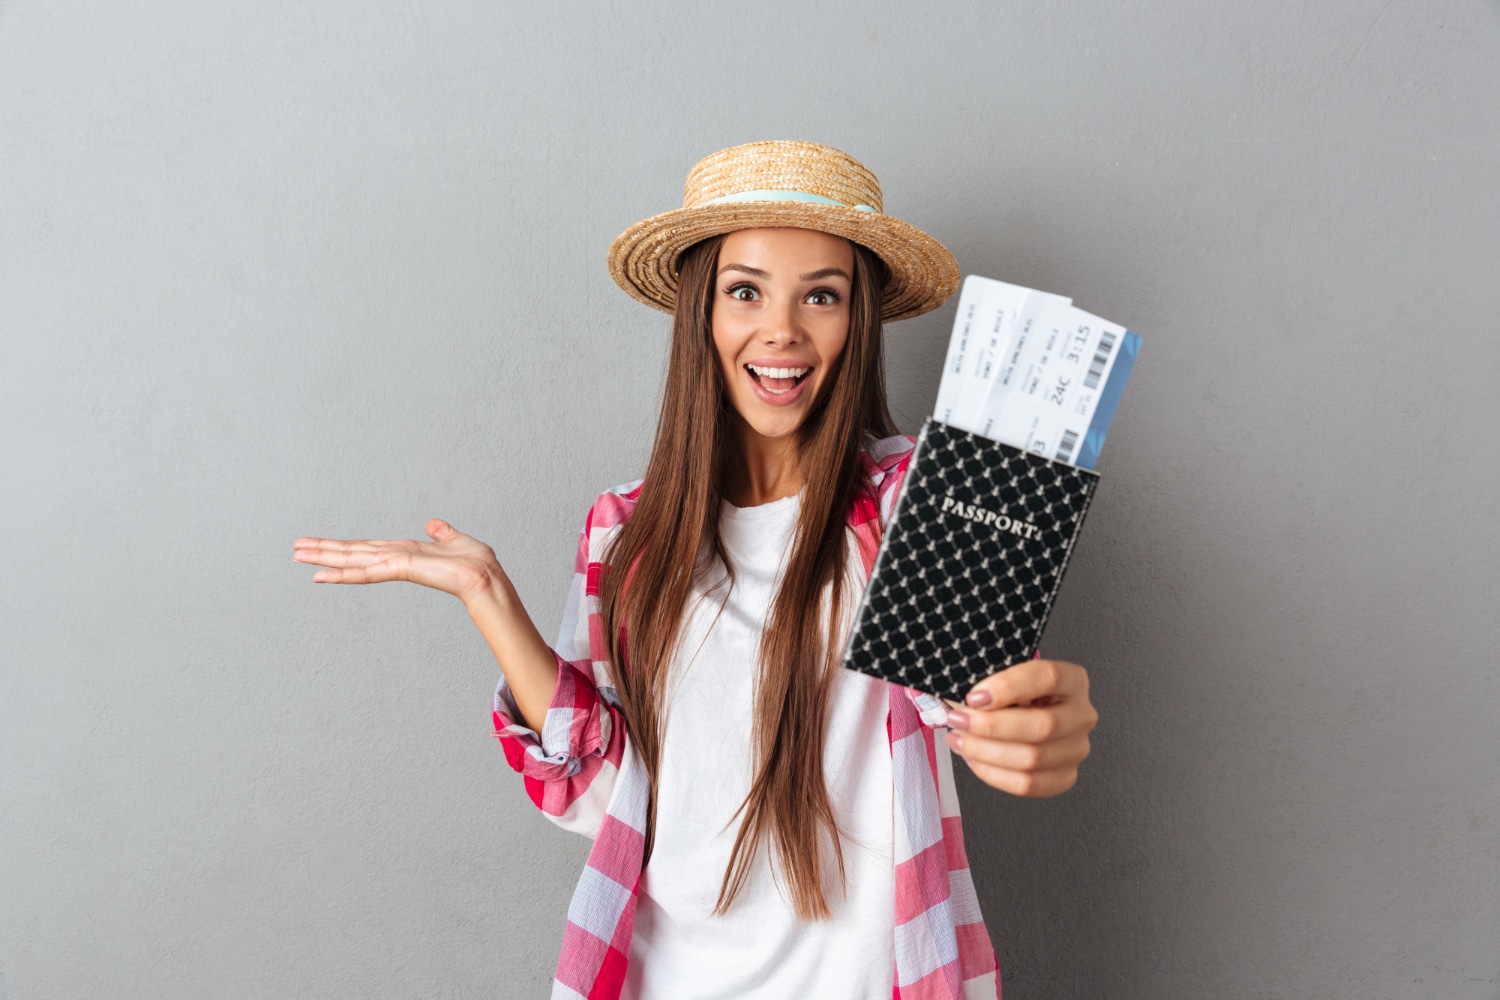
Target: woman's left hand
[{"x": 1026, "y": 729}]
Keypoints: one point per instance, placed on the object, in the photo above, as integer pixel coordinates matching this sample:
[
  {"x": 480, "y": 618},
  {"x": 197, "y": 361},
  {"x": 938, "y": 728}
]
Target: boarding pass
[{"x": 1030, "y": 369}]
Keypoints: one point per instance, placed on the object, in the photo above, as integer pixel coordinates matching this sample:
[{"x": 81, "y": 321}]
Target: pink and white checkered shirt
[{"x": 582, "y": 772}]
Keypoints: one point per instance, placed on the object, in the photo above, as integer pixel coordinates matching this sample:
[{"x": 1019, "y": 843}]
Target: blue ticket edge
[{"x": 1109, "y": 400}]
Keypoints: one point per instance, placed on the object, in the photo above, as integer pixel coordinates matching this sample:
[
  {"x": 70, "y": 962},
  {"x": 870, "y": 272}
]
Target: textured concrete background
[{"x": 275, "y": 269}]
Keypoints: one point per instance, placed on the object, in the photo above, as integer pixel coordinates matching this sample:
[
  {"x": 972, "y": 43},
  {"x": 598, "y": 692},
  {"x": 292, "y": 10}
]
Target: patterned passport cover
[{"x": 971, "y": 560}]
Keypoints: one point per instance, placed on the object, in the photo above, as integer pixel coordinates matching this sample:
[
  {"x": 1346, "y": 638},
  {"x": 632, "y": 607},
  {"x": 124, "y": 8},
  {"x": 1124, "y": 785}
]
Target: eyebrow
[
  {"x": 826, "y": 272},
  {"x": 809, "y": 276},
  {"x": 757, "y": 272}
]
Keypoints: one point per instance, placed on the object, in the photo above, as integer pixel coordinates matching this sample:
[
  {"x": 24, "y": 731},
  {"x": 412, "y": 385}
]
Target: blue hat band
[{"x": 782, "y": 195}]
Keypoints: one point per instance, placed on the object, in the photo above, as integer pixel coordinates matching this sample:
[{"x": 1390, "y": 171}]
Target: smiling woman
[
  {"x": 765, "y": 823},
  {"x": 799, "y": 320}
]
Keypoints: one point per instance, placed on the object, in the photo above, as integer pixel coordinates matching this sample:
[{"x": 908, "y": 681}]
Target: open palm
[{"x": 452, "y": 562}]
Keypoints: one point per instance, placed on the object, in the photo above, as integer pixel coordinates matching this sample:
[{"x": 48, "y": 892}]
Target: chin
[
  {"x": 775, "y": 430},
  {"x": 774, "y": 427}
]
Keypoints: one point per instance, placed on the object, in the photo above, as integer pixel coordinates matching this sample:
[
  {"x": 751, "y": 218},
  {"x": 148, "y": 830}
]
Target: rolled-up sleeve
[
  {"x": 577, "y": 725},
  {"x": 569, "y": 767}
]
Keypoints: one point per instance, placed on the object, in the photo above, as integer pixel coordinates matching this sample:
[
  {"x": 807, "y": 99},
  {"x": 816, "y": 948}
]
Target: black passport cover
[{"x": 971, "y": 560}]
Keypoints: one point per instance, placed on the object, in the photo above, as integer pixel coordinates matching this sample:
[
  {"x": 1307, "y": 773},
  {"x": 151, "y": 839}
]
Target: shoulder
[
  {"x": 884, "y": 457},
  {"x": 884, "y": 462},
  {"x": 612, "y": 508}
]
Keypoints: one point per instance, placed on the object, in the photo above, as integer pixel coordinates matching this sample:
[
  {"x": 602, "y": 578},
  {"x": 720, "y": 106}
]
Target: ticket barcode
[
  {"x": 1101, "y": 358},
  {"x": 1065, "y": 450},
  {"x": 1031, "y": 370}
]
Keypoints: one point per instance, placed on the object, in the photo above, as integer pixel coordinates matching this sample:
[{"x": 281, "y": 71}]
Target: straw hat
[{"x": 798, "y": 184}]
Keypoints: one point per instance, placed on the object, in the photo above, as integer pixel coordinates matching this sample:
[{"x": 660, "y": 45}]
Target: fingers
[
  {"x": 380, "y": 572},
  {"x": 1028, "y": 784},
  {"x": 437, "y": 529},
  {"x": 315, "y": 544},
  {"x": 359, "y": 561},
  {"x": 1033, "y": 739},
  {"x": 342, "y": 554},
  {"x": 1026, "y": 682},
  {"x": 1028, "y": 725},
  {"x": 1024, "y": 757}
]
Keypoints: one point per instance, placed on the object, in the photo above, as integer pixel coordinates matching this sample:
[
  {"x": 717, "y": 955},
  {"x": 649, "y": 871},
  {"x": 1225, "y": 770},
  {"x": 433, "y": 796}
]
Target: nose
[{"x": 783, "y": 326}]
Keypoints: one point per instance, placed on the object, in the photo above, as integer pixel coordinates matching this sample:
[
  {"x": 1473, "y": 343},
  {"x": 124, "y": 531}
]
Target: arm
[
  {"x": 456, "y": 564},
  {"x": 568, "y": 748},
  {"x": 549, "y": 711},
  {"x": 527, "y": 666}
]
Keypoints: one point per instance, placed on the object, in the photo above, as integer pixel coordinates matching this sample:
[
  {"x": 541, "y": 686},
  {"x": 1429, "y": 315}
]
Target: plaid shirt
[{"x": 582, "y": 772}]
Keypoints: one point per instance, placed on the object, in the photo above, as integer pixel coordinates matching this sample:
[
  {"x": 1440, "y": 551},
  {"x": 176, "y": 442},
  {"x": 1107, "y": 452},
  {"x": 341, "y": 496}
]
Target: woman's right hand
[
  {"x": 452, "y": 562},
  {"x": 465, "y": 567}
]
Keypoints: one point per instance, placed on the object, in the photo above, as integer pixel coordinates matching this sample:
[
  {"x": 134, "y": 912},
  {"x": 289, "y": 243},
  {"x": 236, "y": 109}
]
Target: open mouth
[{"x": 777, "y": 380}]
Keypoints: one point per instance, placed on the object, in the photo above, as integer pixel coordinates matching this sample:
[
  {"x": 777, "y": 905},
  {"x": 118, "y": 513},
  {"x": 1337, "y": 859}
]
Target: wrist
[{"x": 493, "y": 594}]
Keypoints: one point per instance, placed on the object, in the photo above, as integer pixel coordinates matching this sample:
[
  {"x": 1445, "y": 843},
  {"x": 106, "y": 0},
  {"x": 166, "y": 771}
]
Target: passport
[
  {"x": 995, "y": 493},
  {"x": 970, "y": 562}
]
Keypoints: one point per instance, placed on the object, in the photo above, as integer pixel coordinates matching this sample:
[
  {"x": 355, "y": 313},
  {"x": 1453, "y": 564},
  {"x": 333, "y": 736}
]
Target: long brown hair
[{"x": 650, "y": 565}]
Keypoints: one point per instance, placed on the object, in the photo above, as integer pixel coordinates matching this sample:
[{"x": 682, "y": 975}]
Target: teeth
[{"x": 778, "y": 372}]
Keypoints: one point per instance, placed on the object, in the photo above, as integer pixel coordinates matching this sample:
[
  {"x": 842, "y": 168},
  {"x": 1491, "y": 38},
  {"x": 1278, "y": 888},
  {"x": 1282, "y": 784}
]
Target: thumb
[{"x": 440, "y": 530}]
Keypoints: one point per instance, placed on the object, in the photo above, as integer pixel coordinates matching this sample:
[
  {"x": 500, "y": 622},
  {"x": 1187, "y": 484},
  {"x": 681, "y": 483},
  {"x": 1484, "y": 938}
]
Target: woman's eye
[
  {"x": 822, "y": 297},
  {"x": 745, "y": 293}
]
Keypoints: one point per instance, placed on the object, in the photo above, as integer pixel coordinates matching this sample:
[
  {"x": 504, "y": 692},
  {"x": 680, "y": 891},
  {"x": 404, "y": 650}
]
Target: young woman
[{"x": 765, "y": 823}]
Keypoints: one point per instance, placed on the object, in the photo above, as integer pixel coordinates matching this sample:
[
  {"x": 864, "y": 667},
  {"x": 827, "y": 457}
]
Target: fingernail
[
  {"x": 954, "y": 741},
  {"x": 978, "y": 699},
  {"x": 958, "y": 719}
]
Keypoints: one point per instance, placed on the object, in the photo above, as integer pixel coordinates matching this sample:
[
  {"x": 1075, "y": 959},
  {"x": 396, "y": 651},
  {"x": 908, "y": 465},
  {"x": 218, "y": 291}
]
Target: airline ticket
[
  {"x": 1032, "y": 370},
  {"x": 989, "y": 312}
]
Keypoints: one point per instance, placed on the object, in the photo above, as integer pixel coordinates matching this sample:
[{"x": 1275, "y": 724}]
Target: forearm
[{"x": 529, "y": 665}]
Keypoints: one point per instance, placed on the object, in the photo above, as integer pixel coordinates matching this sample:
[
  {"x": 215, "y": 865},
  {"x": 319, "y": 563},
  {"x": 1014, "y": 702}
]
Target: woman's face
[{"x": 780, "y": 319}]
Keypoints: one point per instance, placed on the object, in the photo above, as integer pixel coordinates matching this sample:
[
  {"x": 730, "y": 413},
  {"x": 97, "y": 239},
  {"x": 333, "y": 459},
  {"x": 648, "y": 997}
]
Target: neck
[{"x": 767, "y": 468}]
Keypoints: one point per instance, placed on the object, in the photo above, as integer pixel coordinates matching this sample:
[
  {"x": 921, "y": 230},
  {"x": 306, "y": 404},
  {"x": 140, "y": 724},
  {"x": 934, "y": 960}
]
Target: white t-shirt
[{"x": 759, "y": 948}]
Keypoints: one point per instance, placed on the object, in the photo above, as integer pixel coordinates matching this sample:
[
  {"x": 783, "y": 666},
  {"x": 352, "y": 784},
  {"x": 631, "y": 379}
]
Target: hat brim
[{"x": 644, "y": 259}]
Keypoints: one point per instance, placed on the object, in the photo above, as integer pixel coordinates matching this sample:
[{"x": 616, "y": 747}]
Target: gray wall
[{"x": 273, "y": 269}]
